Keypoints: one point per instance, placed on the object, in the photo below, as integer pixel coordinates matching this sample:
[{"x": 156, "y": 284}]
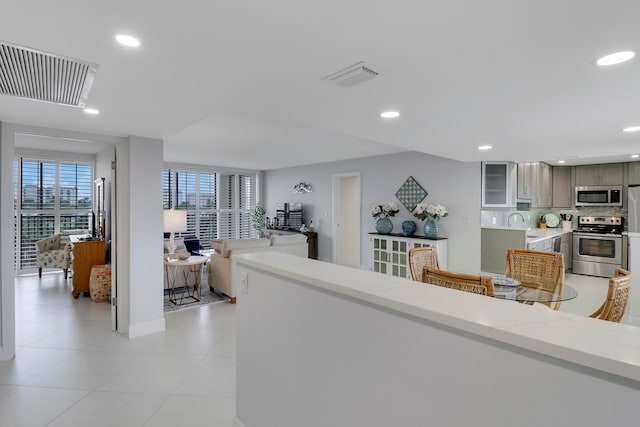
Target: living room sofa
[{"x": 220, "y": 267}]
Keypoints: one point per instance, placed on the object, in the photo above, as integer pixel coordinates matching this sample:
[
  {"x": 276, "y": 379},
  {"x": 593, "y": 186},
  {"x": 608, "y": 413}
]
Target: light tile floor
[{"x": 71, "y": 370}]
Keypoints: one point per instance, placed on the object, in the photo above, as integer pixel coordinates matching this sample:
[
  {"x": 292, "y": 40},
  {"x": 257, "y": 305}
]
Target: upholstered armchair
[{"x": 52, "y": 253}]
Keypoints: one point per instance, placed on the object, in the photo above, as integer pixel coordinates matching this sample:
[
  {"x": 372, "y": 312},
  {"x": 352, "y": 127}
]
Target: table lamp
[{"x": 174, "y": 222}]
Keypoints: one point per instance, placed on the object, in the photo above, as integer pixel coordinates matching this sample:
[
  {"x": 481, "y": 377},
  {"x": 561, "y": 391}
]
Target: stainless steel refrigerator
[
  {"x": 633, "y": 216},
  {"x": 633, "y": 222}
]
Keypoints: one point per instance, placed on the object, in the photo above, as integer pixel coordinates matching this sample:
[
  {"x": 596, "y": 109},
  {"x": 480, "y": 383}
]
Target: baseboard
[
  {"x": 237, "y": 423},
  {"x": 5, "y": 354},
  {"x": 146, "y": 328}
]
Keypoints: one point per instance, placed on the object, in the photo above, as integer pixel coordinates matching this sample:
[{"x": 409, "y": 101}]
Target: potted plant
[
  {"x": 381, "y": 212},
  {"x": 430, "y": 213},
  {"x": 257, "y": 218}
]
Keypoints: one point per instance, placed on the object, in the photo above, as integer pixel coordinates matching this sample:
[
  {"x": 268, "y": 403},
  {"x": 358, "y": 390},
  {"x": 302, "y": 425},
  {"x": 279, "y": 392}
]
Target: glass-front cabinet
[
  {"x": 390, "y": 253},
  {"x": 499, "y": 184}
]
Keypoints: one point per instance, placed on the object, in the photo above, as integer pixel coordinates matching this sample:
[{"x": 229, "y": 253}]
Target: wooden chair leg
[{"x": 40, "y": 272}]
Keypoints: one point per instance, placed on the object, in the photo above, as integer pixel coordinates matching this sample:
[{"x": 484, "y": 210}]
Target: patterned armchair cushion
[
  {"x": 50, "y": 253},
  {"x": 48, "y": 244}
]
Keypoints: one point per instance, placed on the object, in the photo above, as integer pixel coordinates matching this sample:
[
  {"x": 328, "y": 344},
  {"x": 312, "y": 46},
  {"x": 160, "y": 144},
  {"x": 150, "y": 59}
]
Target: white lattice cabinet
[{"x": 389, "y": 253}]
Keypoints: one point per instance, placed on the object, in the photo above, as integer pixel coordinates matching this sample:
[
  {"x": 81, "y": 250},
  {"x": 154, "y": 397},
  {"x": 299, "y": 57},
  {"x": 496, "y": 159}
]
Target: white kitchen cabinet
[
  {"x": 604, "y": 174},
  {"x": 499, "y": 184},
  {"x": 389, "y": 254},
  {"x": 562, "y": 187}
]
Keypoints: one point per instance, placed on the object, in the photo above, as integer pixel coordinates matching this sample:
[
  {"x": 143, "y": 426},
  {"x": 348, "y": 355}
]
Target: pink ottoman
[{"x": 100, "y": 283}]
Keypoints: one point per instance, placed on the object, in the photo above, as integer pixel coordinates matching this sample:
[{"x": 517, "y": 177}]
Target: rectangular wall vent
[
  {"x": 353, "y": 75},
  {"x": 33, "y": 74}
]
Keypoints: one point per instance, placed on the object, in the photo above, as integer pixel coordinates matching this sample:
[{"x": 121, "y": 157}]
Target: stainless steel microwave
[{"x": 599, "y": 195}]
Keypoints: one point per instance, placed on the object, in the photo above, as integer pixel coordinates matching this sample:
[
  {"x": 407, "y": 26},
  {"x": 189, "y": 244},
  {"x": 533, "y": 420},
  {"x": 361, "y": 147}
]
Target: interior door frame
[{"x": 337, "y": 207}]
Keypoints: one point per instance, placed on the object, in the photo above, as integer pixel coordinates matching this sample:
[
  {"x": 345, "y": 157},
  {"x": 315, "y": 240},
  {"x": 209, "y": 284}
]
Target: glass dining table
[{"x": 530, "y": 289}]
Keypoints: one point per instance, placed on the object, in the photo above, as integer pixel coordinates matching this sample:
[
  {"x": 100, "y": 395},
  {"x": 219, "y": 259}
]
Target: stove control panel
[{"x": 600, "y": 220}]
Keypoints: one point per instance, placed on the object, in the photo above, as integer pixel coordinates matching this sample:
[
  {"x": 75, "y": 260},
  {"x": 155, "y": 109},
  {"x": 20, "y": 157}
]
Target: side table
[{"x": 192, "y": 265}]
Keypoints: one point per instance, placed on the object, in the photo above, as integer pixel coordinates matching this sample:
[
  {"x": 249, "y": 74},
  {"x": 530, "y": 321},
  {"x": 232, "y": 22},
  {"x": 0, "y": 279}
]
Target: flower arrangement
[
  {"x": 429, "y": 211},
  {"x": 384, "y": 210}
]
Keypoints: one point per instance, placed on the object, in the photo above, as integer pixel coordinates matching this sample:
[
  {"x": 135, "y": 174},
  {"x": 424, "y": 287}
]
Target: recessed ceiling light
[
  {"x": 631, "y": 129},
  {"x": 127, "y": 40},
  {"x": 635, "y": 156},
  {"x": 91, "y": 111},
  {"x": 562, "y": 161},
  {"x": 389, "y": 114},
  {"x": 616, "y": 58},
  {"x": 485, "y": 147}
]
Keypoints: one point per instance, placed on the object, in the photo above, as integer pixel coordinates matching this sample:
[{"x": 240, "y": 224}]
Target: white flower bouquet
[
  {"x": 384, "y": 210},
  {"x": 429, "y": 211}
]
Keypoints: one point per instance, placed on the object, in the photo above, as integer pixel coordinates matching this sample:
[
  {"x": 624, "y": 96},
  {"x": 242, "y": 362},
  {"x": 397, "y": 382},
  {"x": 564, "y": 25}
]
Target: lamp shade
[{"x": 175, "y": 221}]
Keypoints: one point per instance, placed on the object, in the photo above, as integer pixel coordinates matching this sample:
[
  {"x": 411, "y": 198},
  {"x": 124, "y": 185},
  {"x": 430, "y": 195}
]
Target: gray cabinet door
[
  {"x": 634, "y": 173},
  {"x": 587, "y": 175},
  {"x": 605, "y": 174},
  {"x": 562, "y": 187}
]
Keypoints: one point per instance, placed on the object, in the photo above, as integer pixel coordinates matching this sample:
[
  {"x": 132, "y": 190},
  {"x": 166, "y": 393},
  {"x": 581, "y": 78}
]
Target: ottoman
[{"x": 100, "y": 283}]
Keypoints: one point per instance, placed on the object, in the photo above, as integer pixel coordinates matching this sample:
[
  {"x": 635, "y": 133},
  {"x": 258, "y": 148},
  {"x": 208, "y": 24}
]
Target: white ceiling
[{"x": 239, "y": 83}]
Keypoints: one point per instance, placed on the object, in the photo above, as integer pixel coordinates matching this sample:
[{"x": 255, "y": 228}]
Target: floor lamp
[{"x": 174, "y": 222}]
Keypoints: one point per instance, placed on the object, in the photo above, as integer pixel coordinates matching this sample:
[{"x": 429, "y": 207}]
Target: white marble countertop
[
  {"x": 539, "y": 233},
  {"x": 605, "y": 346}
]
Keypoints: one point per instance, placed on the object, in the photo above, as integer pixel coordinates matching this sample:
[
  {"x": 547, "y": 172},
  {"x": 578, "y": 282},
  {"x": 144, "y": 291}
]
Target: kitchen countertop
[
  {"x": 539, "y": 233},
  {"x": 606, "y": 346}
]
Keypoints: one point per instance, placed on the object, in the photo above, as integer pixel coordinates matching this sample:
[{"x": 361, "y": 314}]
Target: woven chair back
[
  {"x": 419, "y": 258},
  {"x": 482, "y": 285},
  {"x": 537, "y": 269},
  {"x": 615, "y": 305}
]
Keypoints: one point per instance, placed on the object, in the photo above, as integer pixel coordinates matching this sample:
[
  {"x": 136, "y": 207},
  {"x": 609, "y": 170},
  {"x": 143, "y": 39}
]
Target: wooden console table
[{"x": 85, "y": 254}]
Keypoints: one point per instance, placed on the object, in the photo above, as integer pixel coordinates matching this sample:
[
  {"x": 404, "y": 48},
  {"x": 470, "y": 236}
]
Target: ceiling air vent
[
  {"x": 353, "y": 75},
  {"x": 33, "y": 74}
]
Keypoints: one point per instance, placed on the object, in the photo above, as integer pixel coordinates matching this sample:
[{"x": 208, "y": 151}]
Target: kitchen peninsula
[
  {"x": 495, "y": 241},
  {"x": 321, "y": 344}
]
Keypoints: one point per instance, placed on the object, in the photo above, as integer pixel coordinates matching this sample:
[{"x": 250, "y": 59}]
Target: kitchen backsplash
[{"x": 498, "y": 218}]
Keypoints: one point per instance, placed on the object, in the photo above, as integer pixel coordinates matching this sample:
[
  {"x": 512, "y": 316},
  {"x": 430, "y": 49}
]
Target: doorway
[{"x": 346, "y": 219}]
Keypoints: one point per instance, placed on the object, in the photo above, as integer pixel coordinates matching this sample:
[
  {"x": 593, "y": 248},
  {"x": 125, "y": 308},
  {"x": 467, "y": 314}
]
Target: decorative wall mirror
[
  {"x": 410, "y": 194},
  {"x": 99, "y": 220}
]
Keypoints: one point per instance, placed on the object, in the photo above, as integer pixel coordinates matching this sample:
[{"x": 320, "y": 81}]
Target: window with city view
[
  {"x": 50, "y": 196},
  {"x": 218, "y": 205}
]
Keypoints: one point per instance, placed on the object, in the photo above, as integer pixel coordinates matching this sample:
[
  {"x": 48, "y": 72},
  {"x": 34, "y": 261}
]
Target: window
[
  {"x": 50, "y": 196},
  {"x": 218, "y": 205}
]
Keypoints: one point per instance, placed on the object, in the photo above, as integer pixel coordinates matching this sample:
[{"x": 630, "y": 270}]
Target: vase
[
  {"x": 384, "y": 226},
  {"x": 408, "y": 228},
  {"x": 430, "y": 228}
]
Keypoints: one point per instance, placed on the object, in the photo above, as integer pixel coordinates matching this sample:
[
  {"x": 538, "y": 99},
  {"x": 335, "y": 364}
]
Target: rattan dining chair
[
  {"x": 537, "y": 269},
  {"x": 615, "y": 305},
  {"x": 482, "y": 285},
  {"x": 419, "y": 258}
]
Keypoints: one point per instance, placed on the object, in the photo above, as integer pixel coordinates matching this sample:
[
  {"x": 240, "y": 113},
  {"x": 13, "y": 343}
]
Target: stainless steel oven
[{"x": 597, "y": 246}]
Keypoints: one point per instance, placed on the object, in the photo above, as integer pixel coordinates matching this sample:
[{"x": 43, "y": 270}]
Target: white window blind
[
  {"x": 219, "y": 205},
  {"x": 54, "y": 196}
]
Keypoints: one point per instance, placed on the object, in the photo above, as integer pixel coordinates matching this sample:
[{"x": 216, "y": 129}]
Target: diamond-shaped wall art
[{"x": 411, "y": 193}]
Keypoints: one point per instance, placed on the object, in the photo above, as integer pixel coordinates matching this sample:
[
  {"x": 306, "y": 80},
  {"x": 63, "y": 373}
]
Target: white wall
[
  {"x": 308, "y": 356},
  {"x": 453, "y": 184},
  {"x": 139, "y": 236},
  {"x": 7, "y": 287}
]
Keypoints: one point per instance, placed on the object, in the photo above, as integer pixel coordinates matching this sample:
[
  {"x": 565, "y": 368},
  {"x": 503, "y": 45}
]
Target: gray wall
[{"x": 456, "y": 185}]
